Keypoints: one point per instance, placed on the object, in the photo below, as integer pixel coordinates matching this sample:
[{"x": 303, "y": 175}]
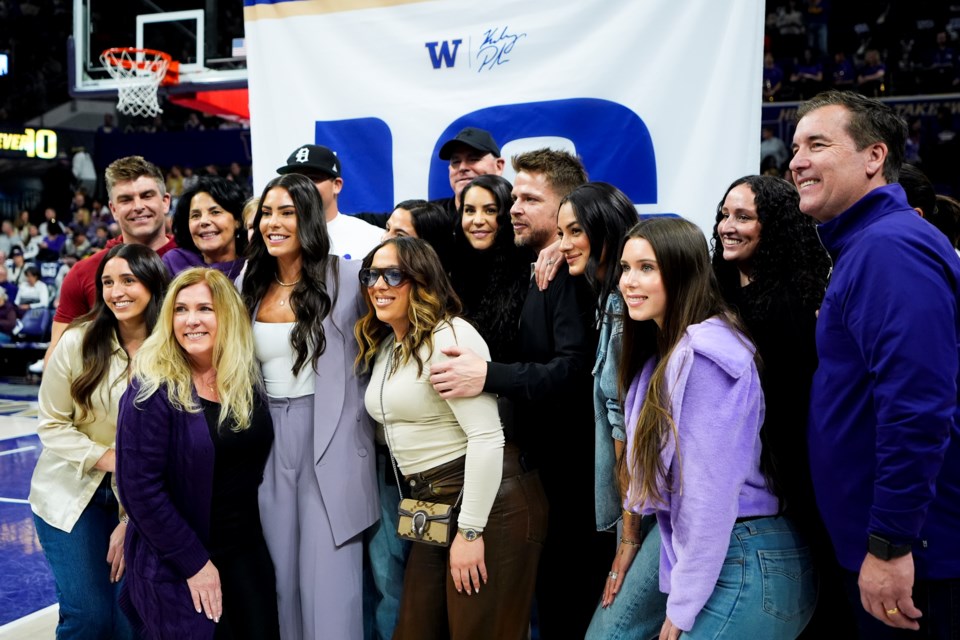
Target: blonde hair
[{"x": 161, "y": 361}]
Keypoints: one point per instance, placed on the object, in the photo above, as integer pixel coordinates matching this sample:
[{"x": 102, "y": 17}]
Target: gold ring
[{"x": 893, "y": 611}]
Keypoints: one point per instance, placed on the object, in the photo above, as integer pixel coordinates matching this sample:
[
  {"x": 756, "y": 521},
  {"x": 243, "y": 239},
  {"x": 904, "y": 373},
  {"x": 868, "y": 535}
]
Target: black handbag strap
[{"x": 386, "y": 434}]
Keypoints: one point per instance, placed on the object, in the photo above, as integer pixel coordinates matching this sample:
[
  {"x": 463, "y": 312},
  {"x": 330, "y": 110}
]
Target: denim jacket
[{"x": 608, "y": 414}]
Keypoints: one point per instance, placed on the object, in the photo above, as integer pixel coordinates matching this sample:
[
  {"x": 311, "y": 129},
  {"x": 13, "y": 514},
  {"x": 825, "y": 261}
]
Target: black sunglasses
[{"x": 392, "y": 276}]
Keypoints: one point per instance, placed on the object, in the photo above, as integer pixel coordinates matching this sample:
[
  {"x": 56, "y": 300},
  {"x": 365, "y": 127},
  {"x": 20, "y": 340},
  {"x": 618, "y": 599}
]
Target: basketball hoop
[{"x": 138, "y": 72}]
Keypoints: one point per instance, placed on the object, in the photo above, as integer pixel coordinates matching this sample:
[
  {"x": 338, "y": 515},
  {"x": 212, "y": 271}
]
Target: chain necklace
[{"x": 283, "y": 301}]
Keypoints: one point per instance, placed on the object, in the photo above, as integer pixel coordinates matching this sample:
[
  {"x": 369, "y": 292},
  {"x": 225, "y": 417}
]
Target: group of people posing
[{"x": 637, "y": 437}]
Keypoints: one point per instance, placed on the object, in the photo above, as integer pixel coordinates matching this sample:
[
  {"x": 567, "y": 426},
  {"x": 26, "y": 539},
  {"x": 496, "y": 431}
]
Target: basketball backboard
[{"x": 204, "y": 36}]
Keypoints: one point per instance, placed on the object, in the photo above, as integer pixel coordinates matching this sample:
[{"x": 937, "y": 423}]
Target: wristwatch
[
  {"x": 470, "y": 534},
  {"x": 886, "y": 550}
]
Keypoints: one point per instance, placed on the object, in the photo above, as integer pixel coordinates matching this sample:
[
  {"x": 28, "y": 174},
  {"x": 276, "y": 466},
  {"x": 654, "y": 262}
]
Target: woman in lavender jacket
[{"x": 730, "y": 567}]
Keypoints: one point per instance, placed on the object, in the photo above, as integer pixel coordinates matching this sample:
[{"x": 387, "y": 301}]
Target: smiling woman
[
  {"x": 193, "y": 437},
  {"x": 209, "y": 228},
  {"x": 73, "y": 495}
]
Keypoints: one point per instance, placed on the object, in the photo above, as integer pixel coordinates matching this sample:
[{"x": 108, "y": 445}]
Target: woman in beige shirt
[
  {"x": 449, "y": 451},
  {"x": 78, "y": 519}
]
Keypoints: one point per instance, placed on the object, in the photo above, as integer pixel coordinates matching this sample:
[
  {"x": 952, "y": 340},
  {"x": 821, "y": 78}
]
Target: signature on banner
[{"x": 496, "y": 47}]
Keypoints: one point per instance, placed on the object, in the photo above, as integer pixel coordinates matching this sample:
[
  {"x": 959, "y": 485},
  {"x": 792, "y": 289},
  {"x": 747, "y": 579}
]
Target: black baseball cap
[
  {"x": 312, "y": 158},
  {"x": 479, "y": 139},
  {"x": 16, "y": 251}
]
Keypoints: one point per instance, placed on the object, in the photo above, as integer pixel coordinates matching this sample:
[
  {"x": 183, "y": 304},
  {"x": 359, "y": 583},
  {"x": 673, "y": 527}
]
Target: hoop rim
[{"x": 111, "y": 57}]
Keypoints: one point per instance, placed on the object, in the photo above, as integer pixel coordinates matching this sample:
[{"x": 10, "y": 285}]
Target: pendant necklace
[{"x": 283, "y": 301}]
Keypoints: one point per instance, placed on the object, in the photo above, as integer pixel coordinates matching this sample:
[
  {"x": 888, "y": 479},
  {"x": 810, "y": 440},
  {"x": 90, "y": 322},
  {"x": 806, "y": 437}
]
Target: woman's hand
[
  {"x": 618, "y": 572},
  {"x": 466, "y": 564},
  {"x": 205, "y": 590},
  {"x": 115, "y": 551},
  {"x": 547, "y": 265},
  {"x": 107, "y": 462},
  {"x": 669, "y": 631}
]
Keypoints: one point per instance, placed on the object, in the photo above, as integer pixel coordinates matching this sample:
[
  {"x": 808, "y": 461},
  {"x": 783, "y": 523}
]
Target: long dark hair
[
  {"x": 606, "y": 214},
  {"x": 432, "y": 224},
  {"x": 789, "y": 256},
  {"x": 432, "y": 301},
  {"x": 97, "y": 347},
  {"x": 225, "y": 193},
  {"x": 692, "y": 296},
  {"x": 311, "y": 299},
  {"x": 492, "y": 283}
]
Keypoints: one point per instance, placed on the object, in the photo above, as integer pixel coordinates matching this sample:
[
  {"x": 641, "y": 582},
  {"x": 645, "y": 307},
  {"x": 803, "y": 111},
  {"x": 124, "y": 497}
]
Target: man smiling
[
  {"x": 884, "y": 445},
  {"x": 139, "y": 203}
]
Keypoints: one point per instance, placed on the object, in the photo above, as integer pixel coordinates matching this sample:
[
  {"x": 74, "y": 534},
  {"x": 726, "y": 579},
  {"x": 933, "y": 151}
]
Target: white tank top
[{"x": 271, "y": 344}]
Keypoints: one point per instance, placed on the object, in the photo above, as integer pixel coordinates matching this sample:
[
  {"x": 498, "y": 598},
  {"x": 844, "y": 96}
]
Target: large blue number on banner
[{"x": 612, "y": 140}]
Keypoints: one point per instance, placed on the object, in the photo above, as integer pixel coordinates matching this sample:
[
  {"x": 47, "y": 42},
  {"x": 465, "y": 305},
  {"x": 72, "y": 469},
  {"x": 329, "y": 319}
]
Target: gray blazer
[{"x": 343, "y": 449}]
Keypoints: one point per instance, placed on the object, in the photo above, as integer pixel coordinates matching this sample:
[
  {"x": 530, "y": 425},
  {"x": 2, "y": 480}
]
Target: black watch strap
[{"x": 886, "y": 550}]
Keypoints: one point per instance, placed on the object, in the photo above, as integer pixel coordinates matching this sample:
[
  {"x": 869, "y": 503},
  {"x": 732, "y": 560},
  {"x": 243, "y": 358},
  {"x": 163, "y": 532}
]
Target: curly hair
[
  {"x": 432, "y": 301},
  {"x": 491, "y": 283},
  {"x": 789, "y": 255},
  {"x": 311, "y": 299}
]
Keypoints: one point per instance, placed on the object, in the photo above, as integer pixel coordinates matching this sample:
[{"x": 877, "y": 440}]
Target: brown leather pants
[{"x": 431, "y": 608}]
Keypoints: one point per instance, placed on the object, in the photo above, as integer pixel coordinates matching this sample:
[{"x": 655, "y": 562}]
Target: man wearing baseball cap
[
  {"x": 472, "y": 152},
  {"x": 350, "y": 237}
]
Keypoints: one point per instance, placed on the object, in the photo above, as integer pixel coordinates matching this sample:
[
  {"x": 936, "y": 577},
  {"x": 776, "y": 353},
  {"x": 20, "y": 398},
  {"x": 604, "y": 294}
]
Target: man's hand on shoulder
[
  {"x": 886, "y": 591},
  {"x": 462, "y": 376}
]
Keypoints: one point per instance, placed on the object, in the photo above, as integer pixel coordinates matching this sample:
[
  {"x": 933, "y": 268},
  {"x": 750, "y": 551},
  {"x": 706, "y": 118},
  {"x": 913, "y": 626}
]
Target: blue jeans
[
  {"x": 638, "y": 611},
  {"x": 386, "y": 560},
  {"x": 767, "y": 587},
  {"x": 938, "y": 600},
  {"x": 88, "y": 600}
]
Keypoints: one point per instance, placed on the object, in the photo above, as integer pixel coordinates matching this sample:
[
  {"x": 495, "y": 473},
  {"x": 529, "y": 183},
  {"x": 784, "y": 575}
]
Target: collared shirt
[{"x": 65, "y": 479}]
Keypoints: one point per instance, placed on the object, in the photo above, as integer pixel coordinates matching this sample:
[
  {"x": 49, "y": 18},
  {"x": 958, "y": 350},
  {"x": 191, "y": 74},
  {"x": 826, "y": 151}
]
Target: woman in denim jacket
[{"x": 592, "y": 224}]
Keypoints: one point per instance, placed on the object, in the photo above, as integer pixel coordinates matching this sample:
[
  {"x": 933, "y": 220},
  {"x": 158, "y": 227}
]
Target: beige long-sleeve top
[
  {"x": 425, "y": 431},
  {"x": 64, "y": 479}
]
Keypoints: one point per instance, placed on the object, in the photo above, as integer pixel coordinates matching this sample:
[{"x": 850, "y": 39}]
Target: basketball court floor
[{"x": 27, "y": 594}]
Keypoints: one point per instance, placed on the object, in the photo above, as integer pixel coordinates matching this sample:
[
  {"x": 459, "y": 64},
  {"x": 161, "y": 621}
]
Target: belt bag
[{"x": 426, "y": 522}]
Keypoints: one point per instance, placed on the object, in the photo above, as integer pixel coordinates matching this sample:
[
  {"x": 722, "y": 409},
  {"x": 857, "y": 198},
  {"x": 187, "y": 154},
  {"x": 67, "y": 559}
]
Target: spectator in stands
[
  {"x": 942, "y": 66},
  {"x": 772, "y": 78},
  {"x": 789, "y": 22},
  {"x": 78, "y": 518},
  {"x": 174, "y": 183},
  {"x": 843, "y": 73},
  {"x": 193, "y": 435},
  {"x": 189, "y": 177},
  {"x": 208, "y": 228},
  {"x": 100, "y": 237},
  {"x": 8, "y": 238},
  {"x": 350, "y": 237},
  {"x": 773, "y": 147},
  {"x": 871, "y": 75},
  {"x": 33, "y": 244},
  {"x": 17, "y": 265},
  {"x": 6, "y": 285},
  {"x": 83, "y": 169},
  {"x": 817, "y": 23},
  {"x": 107, "y": 127},
  {"x": 78, "y": 245},
  {"x": 52, "y": 245},
  {"x": 807, "y": 76},
  {"x": 32, "y": 293},
  {"x": 67, "y": 262},
  {"x": 193, "y": 123},
  {"x": 22, "y": 226},
  {"x": 8, "y": 317},
  {"x": 49, "y": 215}
]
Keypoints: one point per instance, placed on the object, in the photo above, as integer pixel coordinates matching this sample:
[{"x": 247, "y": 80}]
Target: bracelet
[
  {"x": 124, "y": 518},
  {"x": 632, "y": 543}
]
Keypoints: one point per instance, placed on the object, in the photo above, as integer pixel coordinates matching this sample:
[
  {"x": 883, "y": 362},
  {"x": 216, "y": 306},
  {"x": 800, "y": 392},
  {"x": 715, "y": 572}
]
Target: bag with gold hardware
[{"x": 427, "y": 522}]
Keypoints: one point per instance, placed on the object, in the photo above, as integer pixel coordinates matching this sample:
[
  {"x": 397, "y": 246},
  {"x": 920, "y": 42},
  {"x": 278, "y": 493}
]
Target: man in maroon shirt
[{"x": 139, "y": 203}]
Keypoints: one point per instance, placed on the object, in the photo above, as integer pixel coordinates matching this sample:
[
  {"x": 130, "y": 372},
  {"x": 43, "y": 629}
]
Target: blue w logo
[{"x": 445, "y": 57}]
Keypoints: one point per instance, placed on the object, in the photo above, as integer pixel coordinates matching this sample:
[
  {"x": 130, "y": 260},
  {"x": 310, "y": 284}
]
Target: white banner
[{"x": 659, "y": 97}]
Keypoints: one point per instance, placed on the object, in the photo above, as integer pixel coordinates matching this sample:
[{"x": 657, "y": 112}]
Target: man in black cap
[
  {"x": 350, "y": 237},
  {"x": 472, "y": 152}
]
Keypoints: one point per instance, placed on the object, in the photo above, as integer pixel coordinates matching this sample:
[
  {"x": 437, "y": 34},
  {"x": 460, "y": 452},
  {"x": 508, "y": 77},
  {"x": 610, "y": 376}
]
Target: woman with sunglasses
[
  {"x": 319, "y": 492},
  {"x": 448, "y": 451}
]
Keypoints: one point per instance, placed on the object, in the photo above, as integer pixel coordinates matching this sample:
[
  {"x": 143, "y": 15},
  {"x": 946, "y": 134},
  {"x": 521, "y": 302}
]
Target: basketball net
[{"x": 138, "y": 73}]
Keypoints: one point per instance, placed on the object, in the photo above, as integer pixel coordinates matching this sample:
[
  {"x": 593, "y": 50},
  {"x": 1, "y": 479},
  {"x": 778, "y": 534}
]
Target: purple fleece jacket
[{"x": 717, "y": 404}]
